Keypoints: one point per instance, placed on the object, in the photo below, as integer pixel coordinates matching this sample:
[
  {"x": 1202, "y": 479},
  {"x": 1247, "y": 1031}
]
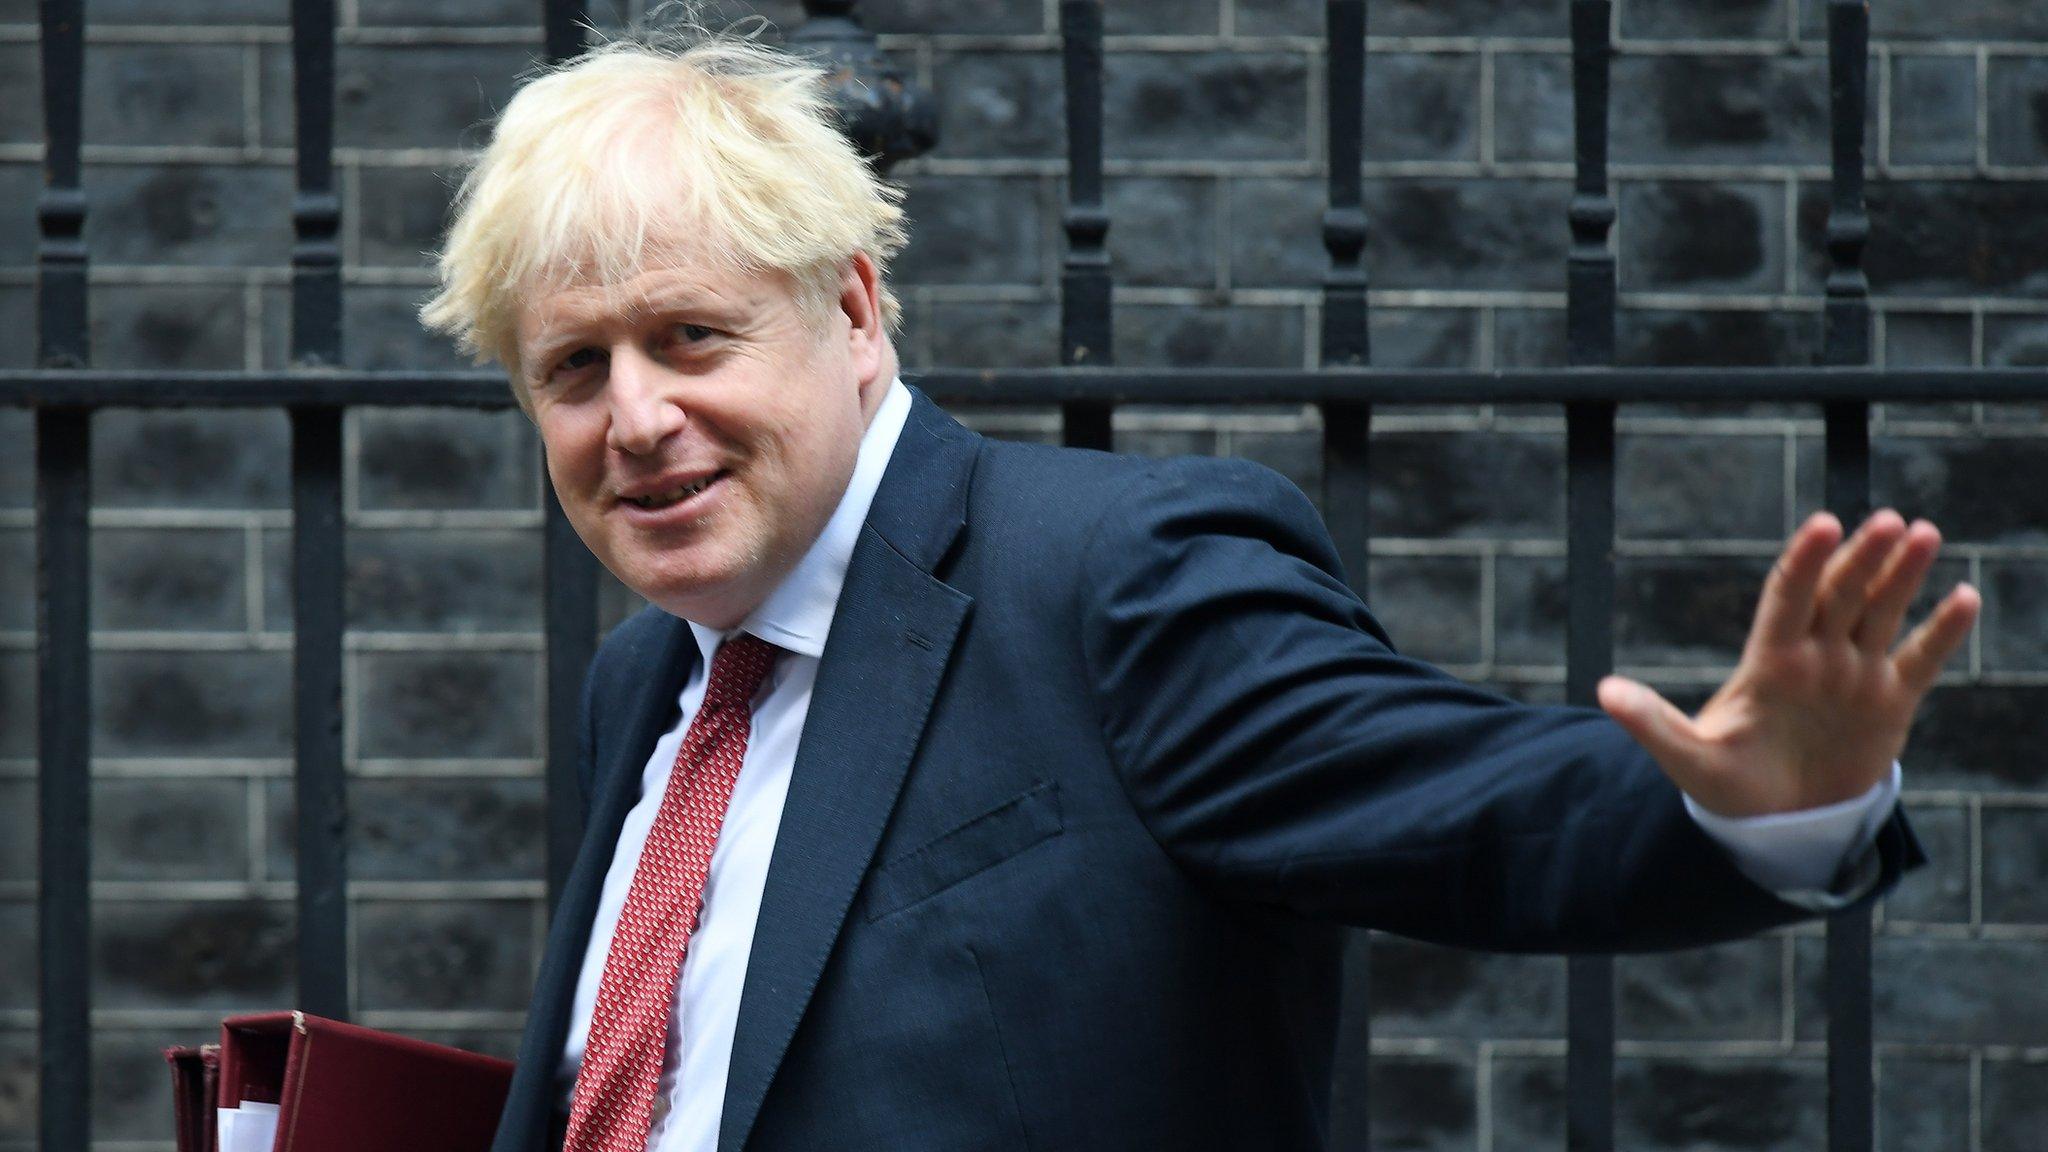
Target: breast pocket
[{"x": 972, "y": 848}]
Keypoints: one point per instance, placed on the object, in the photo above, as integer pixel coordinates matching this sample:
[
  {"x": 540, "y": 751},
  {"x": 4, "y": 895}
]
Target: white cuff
[{"x": 1817, "y": 858}]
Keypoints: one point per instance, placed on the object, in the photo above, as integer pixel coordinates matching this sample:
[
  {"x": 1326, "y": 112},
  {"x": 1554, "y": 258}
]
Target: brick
[
  {"x": 1529, "y": 609},
  {"x": 1424, "y": 233},
  {"x": 615, "y": 602},
  {"x": 929, "y": 16},
  {"x": 403, "y": 95},
  {"x": 1700, "y": 237},
  {"x": 1941, "y": 237},
  {"x": 17, "y": 458},
  {"x": 1422, "y": 107},
  {"x": 17, "y": 314},
  {"x": 1528, "y": 1094},
  {"x": 189, "y": 214},
  {"x": 1720, "y": 339},
  {"x": 1934, "y": 110},
  {"x": 1738, "y": 110},
  {"x": 2015, "y": 865},
  {"x": 2016, "y": 342},
  {"x": 1193, "y": 18},
  {"x": 1162, "y": 231},
  {"x": 1426, "y": 1104},
  {"x": 380, "y": 329},
  {"x": 447, "y": 459},
  {"x": 1433, "y": 484},
  {"x": 192, "y": 703},
  {"x": 1527, "y": 338},
  {"x": 1953, "y": 991},
  {"x": 210, "y": 459},
  {"x": 447, "y": 13},
  {"x": 17, "y": 704},
  {"x": 972, "y": 230},
  {"x": 2015, "y": 1105},
  {"x": 1728, "y": 991},
  {"x": 18, "y": 830},
  {"x": 1720, "y": 1104},
  {"x": 17, "y": 580},
  {"x": 1939, "y": 891},
  {"x": 1000, "y": 104},
  {"x": 1532, "y": 101},
  {"x": 2015, "y": 620},
  {"x": 1741, "y": 19},
  {"x": 1940, "y": 19},
  {"x": 1430, "y": 604},
  {"x": 1295, "y": 455},
  {"x": 993, "y": 334},
  {"x": 18, "y": 956},
  {"x": 1684, "y": 609},
  {"x": 1211, "y": 106},
  {"x": 454, "y": 580},
  {"x": 1965, "y": 485},
  {"x": 18, "y": 1060},
  {"x": 172, "y": 829},
  {"x": 1180, "y": 335},
  {"x": 1166, "y": 442},
  {"x": 131, "y": 1087},
  {"x": 481, "y": 704},
  {"x": 1465, "y": 18},
  {"x": 435, "y": 829},
  {"x": 1423, "y": 990},
  {"x": 435, "y": 954},
  {"x": 230, "y": 955},
  {"x": 2017, "y": 103},
  {"x": 1700, "y": 487},
  {"x": 164, "y": 94},
  {"x": 1423, "y": 337},
  {"x": 186, "y": 12},
  {"x": 172, "y": 580},
  {"x": 402, "y": 214},
  {"x": 1979, "y": 736},
  {"x": 166, "y": 326},
  {"x": 1922, "y": 1105},
  {"x": 1928, "y": 340},
  {"x": 1282, "y": 17},
  {"x": 21, "y": 94}
]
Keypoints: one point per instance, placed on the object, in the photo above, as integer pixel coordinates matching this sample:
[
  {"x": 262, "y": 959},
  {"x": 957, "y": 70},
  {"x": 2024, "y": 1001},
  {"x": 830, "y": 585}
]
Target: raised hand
[{"x": 1818, "y": 708}]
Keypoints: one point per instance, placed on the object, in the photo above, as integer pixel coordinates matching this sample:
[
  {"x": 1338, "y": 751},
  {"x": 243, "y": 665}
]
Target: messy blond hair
[{"x": 694, "y": 147}]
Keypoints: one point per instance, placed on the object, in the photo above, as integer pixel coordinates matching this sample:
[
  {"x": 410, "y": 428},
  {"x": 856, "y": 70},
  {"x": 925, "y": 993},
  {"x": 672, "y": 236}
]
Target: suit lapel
[
  {"x": 892, "y": 634},
  {"x": 662, "y": 666}
]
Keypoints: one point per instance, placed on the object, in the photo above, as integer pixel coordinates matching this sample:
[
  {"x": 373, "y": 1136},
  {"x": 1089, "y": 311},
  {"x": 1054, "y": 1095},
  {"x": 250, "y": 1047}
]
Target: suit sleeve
[{"x": 1278, "y": 748}]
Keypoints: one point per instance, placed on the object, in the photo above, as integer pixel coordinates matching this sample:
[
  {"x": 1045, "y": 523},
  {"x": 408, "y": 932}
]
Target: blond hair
[{"x": 638, "y": 152}]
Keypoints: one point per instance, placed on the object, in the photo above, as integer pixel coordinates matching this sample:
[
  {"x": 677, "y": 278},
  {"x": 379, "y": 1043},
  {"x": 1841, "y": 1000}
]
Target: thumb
[{"x": 1653, "y": 721}]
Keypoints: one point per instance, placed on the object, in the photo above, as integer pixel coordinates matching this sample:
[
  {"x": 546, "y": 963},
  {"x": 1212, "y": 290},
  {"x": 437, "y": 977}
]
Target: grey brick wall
[{"x": 1213, "y": 144}]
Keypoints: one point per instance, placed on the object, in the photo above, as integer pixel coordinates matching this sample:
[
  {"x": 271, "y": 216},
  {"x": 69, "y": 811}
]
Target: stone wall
[{"x": 1214, "y": 140}]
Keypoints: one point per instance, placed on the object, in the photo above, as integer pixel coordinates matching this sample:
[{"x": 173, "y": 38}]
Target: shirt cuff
[{"x": 1819, "y": 859}]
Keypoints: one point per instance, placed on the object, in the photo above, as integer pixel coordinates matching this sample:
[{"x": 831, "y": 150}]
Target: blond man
[{"x": 961, "y": 794}]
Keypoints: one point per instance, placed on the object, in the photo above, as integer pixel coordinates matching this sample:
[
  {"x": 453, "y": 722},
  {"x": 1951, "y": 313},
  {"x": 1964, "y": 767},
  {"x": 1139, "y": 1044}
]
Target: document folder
[
  {"x": 344, "y": 1088},
  {"x": 195, "y": 1085}
]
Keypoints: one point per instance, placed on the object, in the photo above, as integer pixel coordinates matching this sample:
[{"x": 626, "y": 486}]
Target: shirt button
[{"x": 660, "y": 1109}]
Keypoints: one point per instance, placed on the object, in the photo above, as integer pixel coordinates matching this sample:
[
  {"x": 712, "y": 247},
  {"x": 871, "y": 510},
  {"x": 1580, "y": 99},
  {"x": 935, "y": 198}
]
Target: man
[{"x": 959, "y": 794}]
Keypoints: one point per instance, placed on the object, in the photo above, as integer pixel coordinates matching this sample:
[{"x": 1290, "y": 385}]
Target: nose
[{"x": 644, "y": 409}]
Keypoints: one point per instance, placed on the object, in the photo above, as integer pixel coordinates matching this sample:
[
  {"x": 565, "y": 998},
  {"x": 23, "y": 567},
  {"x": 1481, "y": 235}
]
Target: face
[{"x": 701, "y": 424}]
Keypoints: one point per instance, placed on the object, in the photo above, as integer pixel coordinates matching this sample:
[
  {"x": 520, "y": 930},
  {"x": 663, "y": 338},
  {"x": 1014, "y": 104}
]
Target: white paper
[{"x": 250, "y": 1128}]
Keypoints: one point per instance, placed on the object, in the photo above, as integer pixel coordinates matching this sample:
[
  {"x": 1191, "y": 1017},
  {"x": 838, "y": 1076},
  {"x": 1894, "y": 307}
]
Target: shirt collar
[{"x": 798, "y": 614}]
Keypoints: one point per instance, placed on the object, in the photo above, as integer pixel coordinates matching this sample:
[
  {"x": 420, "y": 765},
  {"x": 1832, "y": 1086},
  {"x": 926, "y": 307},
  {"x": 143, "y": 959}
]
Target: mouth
[{"x": 670, "y": 497}]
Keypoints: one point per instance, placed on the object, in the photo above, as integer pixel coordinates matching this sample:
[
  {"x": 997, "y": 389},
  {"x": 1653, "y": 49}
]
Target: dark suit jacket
[{"x": 1102, "y": 753}]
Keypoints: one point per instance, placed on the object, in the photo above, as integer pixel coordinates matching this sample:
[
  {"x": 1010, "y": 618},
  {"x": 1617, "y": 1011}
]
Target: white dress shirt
[{"x": 1798, "y": 855}]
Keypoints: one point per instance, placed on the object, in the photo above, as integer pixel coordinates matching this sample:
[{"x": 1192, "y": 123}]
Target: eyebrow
[{"x": 569, "y": 331}]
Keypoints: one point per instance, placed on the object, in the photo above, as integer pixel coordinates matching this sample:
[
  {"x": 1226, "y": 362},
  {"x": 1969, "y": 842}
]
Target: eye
[
  {"x": 692, "y": 333},
  {"x": 578, "y": 360}
]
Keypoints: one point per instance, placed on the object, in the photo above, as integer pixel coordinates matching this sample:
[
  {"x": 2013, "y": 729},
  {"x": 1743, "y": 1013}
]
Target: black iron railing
[{"x": 64, "y": 393}]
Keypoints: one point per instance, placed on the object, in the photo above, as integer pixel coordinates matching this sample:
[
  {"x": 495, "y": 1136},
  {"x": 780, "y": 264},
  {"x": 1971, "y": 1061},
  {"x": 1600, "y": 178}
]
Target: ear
[{"x": 860, "y": 299}]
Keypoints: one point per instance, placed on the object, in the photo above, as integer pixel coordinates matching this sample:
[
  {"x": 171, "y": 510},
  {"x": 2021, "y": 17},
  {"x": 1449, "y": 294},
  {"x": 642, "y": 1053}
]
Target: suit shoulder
[
  {"x": 629, "y": 647},
  {"x": 1079, "y": 487}
]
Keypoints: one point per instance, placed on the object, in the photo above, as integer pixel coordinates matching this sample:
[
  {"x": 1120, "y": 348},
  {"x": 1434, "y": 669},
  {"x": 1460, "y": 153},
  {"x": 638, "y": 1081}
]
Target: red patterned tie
[{"x": 612, "y": 1108}]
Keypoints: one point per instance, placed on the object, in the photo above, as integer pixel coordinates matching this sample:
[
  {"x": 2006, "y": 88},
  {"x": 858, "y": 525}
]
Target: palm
[{"x": 1819, "y": 706}]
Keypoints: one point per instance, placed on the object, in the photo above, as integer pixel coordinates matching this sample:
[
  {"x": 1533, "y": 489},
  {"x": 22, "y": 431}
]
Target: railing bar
[
  {"x": 1037, "y": 386},
  {"x": 1085, "y": 317},
  {"x": 63, "y": 456},
  {"x": 569, "y": 576},
  {"x": 1851, "y": 1074},
  {"x": 64, "y": 747},
  {"x": 1589, "y": 500},
  {"x": 317, "y": 543},
  {"x": 1347, "y": 435}
]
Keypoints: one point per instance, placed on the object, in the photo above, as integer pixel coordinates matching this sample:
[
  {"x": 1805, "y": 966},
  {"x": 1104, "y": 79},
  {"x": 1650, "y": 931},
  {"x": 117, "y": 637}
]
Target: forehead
[{"x": 712, "y": 291}]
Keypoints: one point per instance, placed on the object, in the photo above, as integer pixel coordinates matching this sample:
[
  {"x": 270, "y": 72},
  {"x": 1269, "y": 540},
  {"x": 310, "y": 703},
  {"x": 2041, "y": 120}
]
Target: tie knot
[{"x": 737, "y": 669}]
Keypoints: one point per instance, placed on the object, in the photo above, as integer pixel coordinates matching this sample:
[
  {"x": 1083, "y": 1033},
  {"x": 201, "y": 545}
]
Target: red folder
[
  {"x": 342, "y": 1088},
  {"x": 195, "y": 1085}
]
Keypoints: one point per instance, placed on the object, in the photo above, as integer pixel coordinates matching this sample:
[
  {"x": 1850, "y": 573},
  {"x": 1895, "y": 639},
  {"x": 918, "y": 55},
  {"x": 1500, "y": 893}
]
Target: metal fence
[{"x": 64, "y": 393}]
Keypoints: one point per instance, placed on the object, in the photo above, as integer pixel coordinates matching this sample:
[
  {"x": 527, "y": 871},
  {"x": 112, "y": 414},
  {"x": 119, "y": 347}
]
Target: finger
[
  {"x": 1891, "y": 594},
  {"x": 1655, "y": 723},
  {"x": 1845, "y": 584},
  {"x": 1786, "y": 609},
  {"x": 1924, "y": 650}
]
